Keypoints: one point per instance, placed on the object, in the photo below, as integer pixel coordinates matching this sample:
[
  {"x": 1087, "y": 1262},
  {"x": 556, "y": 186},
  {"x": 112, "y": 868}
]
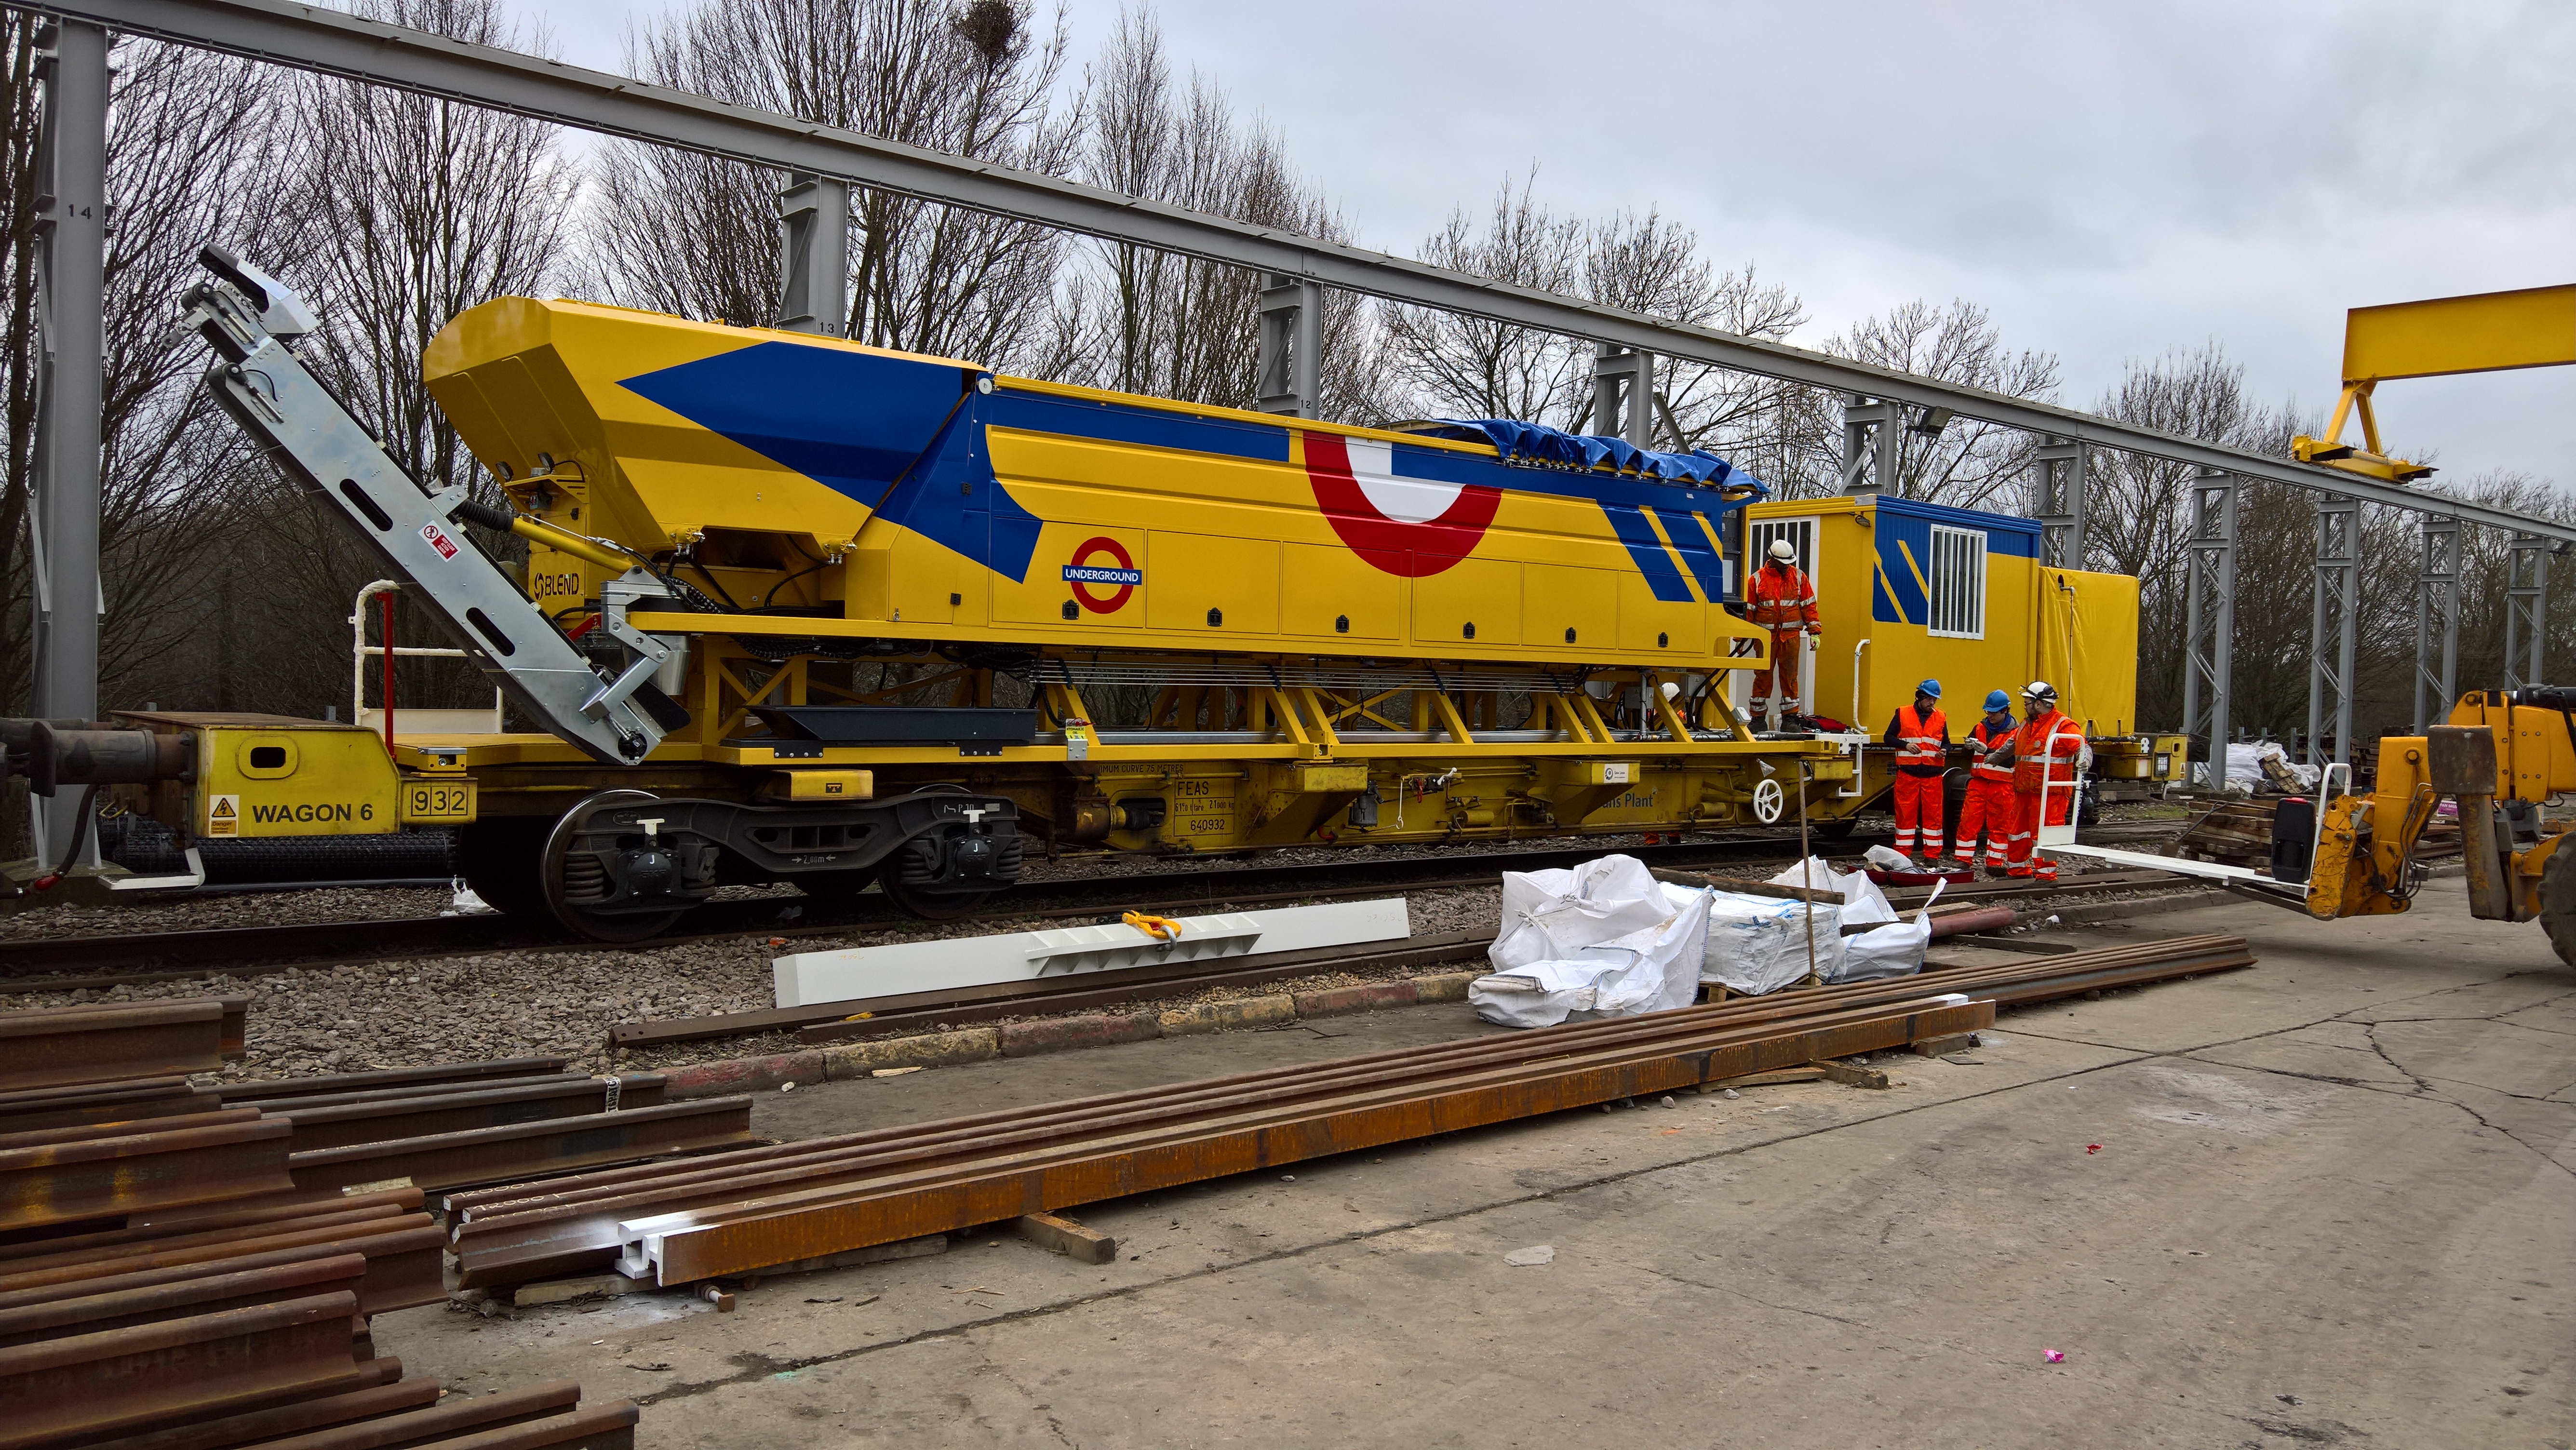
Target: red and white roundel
[{"x": 1405, "y": 526}]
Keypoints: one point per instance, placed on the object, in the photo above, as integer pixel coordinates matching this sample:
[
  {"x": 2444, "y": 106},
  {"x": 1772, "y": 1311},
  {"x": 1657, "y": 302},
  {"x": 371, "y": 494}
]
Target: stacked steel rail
[
  {"x": 192, "y": 1268},
  {"x": 740, "y": 1213}
]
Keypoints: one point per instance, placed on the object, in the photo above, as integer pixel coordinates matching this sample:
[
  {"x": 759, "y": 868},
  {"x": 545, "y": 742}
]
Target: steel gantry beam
[
  {"x": 71, "y": 276},
  {"x": 2209, "y": 627},
  {"x": 2437, "y": 624},
  {"x": 1291, "y": 347},
  {"x": 2059, "y": 501},
  {"x": 313, "y": 38},
  {"x": 2526, "y": 612},
  {"x": 1873, "y": 440},
  {"x": 814, "y": 255},
  {"x": 2333, "y": 630}
]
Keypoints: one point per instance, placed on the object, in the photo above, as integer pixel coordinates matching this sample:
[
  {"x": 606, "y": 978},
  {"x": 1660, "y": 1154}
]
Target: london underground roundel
[{"x": 1411, "y": 527}]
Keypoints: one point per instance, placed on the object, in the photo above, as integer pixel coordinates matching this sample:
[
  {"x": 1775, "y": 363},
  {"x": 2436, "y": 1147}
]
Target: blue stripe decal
[
  {"x": 1881, "y": 607},
  {"x": 1629, "y": 522},
  {"x": 1690, "y": 540}
]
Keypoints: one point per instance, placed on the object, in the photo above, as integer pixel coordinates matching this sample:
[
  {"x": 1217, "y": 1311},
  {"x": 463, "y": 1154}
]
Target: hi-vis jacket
[
  {"x": 1988, "y": 766},
  {"x": 2045, "y": 749},
  {"x": 1922, "y": 741},
  {"x": 1783, "y": 598}
]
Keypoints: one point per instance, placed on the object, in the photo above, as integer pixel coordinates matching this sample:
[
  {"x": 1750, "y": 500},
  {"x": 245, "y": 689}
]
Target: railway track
[{"x": 66, "y": 963}]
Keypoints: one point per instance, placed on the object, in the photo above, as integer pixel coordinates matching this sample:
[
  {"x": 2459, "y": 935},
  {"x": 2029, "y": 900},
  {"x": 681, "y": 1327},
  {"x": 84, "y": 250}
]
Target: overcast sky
[{"x": 2112, "y": 181}]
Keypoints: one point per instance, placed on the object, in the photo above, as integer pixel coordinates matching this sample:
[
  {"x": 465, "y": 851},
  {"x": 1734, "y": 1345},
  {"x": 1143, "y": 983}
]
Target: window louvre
[{"x": 1957, "y": 605}]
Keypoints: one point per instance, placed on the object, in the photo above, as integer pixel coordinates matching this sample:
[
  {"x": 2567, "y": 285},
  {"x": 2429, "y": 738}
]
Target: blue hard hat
[
  {"x": 1998, "y": 700},
  {"x": 1929, "y": 687}
]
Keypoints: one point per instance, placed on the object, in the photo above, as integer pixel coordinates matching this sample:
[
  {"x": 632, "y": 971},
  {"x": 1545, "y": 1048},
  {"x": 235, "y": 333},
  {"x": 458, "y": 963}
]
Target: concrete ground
[{"x": 2333, "y": 1201}]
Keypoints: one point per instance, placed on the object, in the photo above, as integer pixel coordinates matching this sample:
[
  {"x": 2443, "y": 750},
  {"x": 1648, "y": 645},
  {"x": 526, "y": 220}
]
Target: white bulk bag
[
  {"x": 1654, "y": 968},
  {"x": 1758, "y": 944}
]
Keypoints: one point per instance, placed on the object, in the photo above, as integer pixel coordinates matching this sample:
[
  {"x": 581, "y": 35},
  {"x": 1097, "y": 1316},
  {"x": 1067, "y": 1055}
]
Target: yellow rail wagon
[
  {"x": 798, "y": 609},
  {"x": 1907, "y": 591}
]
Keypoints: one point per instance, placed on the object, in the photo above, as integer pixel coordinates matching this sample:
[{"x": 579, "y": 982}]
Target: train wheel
[
  {"x": 2558, "y": 901},
  {"x": 933, "y": 905},
  {"x": 597, "y": 925},
  {"x": 501, "y": 859}
]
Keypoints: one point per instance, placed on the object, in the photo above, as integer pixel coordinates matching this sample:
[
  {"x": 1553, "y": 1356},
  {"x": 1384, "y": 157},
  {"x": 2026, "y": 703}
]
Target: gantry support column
[
  {"x": 814, "y": 255},
  {"x": 2437, "y": 624},
  {"x": 2526, "y": 612},
  {"x": 2333, "y": 628},
  {"x": 1873, "y": 438},
  {"x": 2058, "y": 502},
  {"x": 2209, "y": 627},
  {"x": 1623, "y": 394},
  {"x": 1292, "y": 347},
  {"x": 71, "y": 242}
]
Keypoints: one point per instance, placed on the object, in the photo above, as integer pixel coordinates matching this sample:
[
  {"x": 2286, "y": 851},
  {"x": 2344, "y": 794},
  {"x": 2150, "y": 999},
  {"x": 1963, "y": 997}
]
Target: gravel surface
[
  {"x": 520, "y": 1004},
  {"x": 146, "y": 914}
]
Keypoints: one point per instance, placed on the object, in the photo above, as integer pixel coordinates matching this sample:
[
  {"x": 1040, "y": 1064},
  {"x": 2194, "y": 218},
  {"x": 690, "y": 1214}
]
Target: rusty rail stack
[
  {"x": 740, "y": 1213},
  {"x": 191, "y": 1268}
]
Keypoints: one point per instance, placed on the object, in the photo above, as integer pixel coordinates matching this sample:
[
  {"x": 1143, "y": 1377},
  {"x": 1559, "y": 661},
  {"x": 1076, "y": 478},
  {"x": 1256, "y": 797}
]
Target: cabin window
[
  {"x": 1957, "y": 606},
  {"x": 1801, "y": 534}
]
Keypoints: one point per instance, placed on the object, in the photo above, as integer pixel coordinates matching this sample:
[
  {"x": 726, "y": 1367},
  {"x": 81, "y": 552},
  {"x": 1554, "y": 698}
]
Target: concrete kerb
[{"x": 1100, "y": 1029}]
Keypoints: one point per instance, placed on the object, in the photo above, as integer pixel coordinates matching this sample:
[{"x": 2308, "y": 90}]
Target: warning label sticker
[
  {"x": 439, "y": 540},
  {"x": 223, "y": 818}
]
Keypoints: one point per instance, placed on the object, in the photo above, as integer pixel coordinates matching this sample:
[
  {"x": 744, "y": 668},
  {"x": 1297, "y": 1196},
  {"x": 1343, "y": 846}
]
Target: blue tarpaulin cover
[{"x": 1540, "y": 443}]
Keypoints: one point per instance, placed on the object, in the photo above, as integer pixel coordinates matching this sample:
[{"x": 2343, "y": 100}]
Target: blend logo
[
  {"x": 1411, "y": 527},
  {"x": 1120, "y": 572}
]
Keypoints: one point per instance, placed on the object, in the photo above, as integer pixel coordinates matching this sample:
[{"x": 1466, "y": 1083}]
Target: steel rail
[
  {"x": 490, "y": 1155},
  {"x": 260, "y": 1427},
  {"x": 422, "y": 1115},
  {"x": 518, "y": 1232},
  {"x": 135, "y": 1172},
  {"x": 100, "y": 1307},
  {"x": 72, "y": 1046},
  {"x": 144, "y": 1376},
  {"x": 370, "y": 1236},
  {"x": 312, "y": 38},
  {"x": 36, "y": 1256},
  {"x": 94, "y": 1104},
  {"x": 278, "y": 1091},
  {"x": 791, "y": 1227},
  {"x": 404, "y": 1267},
  {"x": 246, "y": 1220}
]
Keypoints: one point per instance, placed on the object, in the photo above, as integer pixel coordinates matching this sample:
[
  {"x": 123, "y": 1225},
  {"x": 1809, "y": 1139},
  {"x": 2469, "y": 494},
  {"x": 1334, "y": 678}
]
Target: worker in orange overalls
[
  {"x": 1988, "y": 806},
  {"x": 1783, "y": 601},
  {"x": 2043, "y": 756},
  {"x": 1921, "y": 735}
]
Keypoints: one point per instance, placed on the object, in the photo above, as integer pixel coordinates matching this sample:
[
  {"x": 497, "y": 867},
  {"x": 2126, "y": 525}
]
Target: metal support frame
[
  {"x": 2209, "y": 629},
  {"x": 1623, "y": 394},
  {"x": 2526, "y": 611},
  {"x": 1873, "y": 437},
  {"x": 2437, "y": 624},
  {"x": 2058, "y": 497},
  {"x": 71, "y": 243},
  {"x": 814, "y": 255},
  {"x": 2333, "y": 629},
  {"x": 316, "y": 38},
  {"x": 1292, "y": 347}
]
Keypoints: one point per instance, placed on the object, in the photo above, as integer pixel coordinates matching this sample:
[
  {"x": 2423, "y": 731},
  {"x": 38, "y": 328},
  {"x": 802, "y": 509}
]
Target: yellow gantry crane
[{"x": 2489, "y": 332}]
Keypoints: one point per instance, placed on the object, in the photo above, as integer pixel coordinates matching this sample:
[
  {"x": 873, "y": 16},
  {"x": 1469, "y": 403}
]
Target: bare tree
[
  {"x": 1476, "y": 368},
  {"x": 697, "y": 236},
  {"x": 1145, "y": 321}
]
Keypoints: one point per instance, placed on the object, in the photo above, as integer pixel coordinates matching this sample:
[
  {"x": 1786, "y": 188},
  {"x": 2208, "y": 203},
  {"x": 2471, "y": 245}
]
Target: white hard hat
[
  {"x": 1784, "y": 551},
  {"x": 2040, "y": 690}
]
